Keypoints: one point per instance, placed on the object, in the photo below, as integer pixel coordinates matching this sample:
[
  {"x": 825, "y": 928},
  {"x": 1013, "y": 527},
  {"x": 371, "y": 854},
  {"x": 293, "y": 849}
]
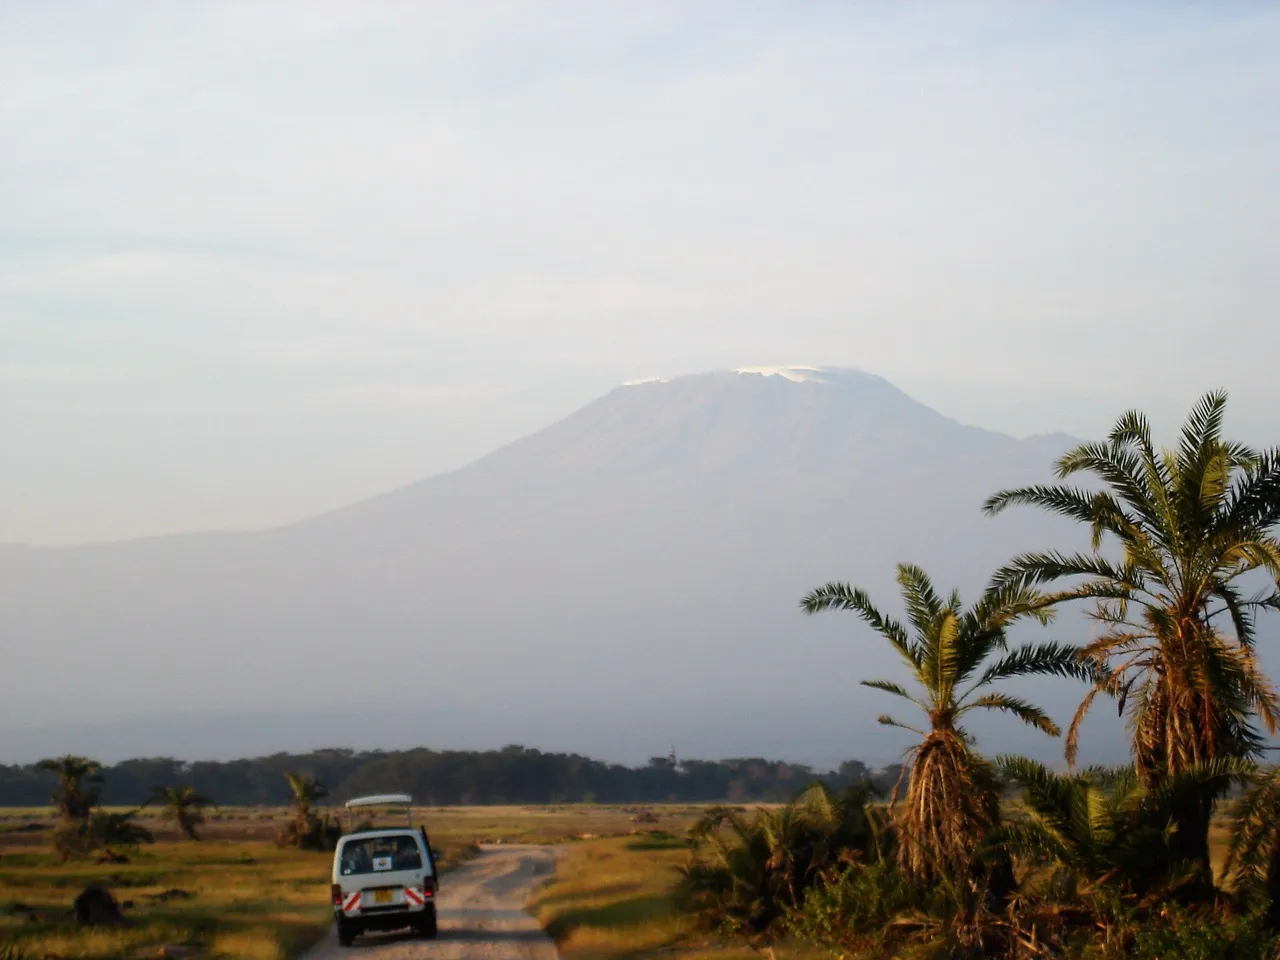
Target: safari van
[{"x": 384, "y": 877}]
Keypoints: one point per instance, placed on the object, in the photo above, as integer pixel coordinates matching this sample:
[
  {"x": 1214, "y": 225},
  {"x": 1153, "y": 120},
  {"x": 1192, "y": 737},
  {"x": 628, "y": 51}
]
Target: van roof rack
[{"x": 380, "y": 800}]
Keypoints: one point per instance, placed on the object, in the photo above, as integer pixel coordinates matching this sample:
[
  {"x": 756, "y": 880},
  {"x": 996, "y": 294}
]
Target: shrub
[
  {"x": 852, "y": 909},
  {"x": 1180, "y": 934},
  {"x": 745, "y": 872}
]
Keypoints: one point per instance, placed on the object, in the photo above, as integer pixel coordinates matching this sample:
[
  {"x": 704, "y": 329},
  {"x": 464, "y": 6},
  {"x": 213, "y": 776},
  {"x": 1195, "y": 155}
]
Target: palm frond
[
  {"x": 842, "y": 596},
  {"x": 896, "y": 689},
  {"x": 1025, "y": 711},
  {"x": 1055, "y": 659}
]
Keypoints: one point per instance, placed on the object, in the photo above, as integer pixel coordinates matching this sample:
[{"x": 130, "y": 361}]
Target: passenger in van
[
  {"x": 407, "y": 855},
  {"x": 355, "y": 859}
]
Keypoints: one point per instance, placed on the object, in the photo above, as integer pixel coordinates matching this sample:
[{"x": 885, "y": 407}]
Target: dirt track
[{"x": 481, "y": 915}]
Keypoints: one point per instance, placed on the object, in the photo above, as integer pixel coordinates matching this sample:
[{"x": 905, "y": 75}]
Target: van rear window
[{"x": 379, "y": 855}]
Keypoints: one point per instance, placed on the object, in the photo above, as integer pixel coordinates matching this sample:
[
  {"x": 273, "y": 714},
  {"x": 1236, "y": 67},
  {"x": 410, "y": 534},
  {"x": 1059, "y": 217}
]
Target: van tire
[
  {"x": 347, "y": 933},
  {"x": 427, "y": 925}
]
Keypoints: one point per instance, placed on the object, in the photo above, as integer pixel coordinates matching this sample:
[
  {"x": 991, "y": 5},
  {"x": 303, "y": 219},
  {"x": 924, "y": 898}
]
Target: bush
[
  {"x": 77, "y": 839},
  {"x": 851, "y": 910},
  {"x": 746, "y": 872},
  {"x": 312, "y": 833},
  {"x": 1180, "y": 934}
]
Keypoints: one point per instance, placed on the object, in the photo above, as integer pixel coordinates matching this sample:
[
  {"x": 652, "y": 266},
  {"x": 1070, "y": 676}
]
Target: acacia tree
[
  {"x": 1174, "y": 533},
  {"x": 953, "y": 795},
  {"x": 184, "y": 806}
]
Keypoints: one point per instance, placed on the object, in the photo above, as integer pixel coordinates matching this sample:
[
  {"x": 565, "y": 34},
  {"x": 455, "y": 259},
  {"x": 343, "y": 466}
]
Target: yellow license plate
[{"x": 382, "y": 896}]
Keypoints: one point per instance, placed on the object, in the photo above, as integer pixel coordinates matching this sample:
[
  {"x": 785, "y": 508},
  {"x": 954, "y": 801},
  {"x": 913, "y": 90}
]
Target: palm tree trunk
[{"x": 1191, "y": 841}]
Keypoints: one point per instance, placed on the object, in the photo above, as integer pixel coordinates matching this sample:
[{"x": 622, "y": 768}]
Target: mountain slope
[{"x": 622, "y": 580}]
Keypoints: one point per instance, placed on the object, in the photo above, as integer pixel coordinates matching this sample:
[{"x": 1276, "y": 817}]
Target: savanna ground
[{"x": 235, "y": 894}]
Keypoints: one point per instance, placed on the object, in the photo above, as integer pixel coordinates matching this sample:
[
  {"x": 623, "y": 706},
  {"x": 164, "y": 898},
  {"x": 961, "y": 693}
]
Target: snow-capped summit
[{"x": 796, "y": 374}]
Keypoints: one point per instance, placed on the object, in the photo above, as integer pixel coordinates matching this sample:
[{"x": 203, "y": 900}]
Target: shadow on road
[{"x": 463, "y": 935}]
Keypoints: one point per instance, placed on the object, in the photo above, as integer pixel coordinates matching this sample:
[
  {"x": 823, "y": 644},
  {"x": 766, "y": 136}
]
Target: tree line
[{"x": 512, "y": 775}]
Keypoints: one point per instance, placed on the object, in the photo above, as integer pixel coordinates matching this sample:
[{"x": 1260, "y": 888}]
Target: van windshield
[{"x": 379, "y": 855}]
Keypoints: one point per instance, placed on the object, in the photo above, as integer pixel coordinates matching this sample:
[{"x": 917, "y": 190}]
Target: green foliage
[
  {"x": 79, "y": 785},
  {"x": 1105, "y": 827},
  {"x": 853, "y": 909},
  {"x": 1176, "y": 632},
  {"x": 747, "y": 871},
  {"x": 1180, "y": 934},
  {"x": 953, "y": 655},
  {"x": 114, "y": 833},
  {"x": 184, "y": 806},
  {"x": 308, "y": 830}
]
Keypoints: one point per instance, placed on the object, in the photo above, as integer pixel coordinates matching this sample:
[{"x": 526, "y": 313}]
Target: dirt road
[{"x": 481, "y": 915}]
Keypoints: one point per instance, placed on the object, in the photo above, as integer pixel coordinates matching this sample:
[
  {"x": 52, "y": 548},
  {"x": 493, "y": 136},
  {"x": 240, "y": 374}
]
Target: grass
[
  {"x": 249, "y": 898},
  {"x": 614, "y": 898},
  {"x": 239, "y": 893},
  {"x": 611, "y": 897}
]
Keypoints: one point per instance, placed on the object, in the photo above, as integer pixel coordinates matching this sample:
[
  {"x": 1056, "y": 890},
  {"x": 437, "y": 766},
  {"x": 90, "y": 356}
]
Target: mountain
[{"x": 621, "y": 581}]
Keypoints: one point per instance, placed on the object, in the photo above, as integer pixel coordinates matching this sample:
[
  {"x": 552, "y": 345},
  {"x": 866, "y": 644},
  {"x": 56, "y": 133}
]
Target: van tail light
[{"x": 336, "y": 892}]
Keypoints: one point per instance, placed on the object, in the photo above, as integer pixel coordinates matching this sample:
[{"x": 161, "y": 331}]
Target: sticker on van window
[{"x": 381, "y": 863}]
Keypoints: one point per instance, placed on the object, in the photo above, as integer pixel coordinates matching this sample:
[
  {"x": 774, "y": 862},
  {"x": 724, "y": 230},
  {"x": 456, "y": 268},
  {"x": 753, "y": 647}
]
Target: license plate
[{"x": 382, "y": 896}]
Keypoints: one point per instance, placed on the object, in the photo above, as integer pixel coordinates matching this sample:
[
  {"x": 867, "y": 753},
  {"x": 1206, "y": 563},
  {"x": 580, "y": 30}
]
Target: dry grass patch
[
  {"x": 249, "y": 892},
  {"x": 614, "y": 898}
]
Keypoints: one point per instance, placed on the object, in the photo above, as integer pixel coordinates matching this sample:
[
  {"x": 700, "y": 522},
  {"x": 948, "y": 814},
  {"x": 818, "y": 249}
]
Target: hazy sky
[{"x": 259, "y": 260}]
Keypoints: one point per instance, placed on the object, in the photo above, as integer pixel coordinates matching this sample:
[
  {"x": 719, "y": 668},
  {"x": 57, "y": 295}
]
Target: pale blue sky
[{"x": 259, "y": 260}]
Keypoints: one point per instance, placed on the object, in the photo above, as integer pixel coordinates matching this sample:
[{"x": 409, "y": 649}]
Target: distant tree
[
  {"x": 307, "y": 792},
  {"x": 308, "y": 830},
  {"x": 79, "y": 785},
  {"x": 184, "y": 806}
]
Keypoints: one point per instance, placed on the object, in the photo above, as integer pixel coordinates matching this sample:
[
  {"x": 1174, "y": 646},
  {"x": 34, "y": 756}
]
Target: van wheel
[
  {"x": 347, "y": 933},
  {"x": 427, "y": 925}
]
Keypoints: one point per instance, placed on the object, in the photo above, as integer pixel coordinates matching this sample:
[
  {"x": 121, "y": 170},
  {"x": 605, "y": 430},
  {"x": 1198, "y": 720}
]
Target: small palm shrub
[
  {"x": 308, "y": 830},
  {"x": 747, "y": 871}
]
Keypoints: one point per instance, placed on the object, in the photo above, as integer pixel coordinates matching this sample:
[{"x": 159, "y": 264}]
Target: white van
[{"x": 384, "y": 878}]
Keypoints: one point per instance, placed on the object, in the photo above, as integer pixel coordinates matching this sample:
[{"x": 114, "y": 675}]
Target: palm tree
[
  {"x": 1176, "y": 647},
  {"x": 1253, "y": 858},
  {"x": 952, "y": 795},
  {"x": 307, "y": 792},
  {"x": 307, "y": 830},
  {"x": 79, "y": 785},
  {"x": 1103, "y": 826},
  {"x": 184, "y": 806}
]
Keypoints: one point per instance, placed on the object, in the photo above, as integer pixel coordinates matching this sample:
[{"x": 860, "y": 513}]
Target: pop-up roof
[{"x": 380, "y": 800}]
